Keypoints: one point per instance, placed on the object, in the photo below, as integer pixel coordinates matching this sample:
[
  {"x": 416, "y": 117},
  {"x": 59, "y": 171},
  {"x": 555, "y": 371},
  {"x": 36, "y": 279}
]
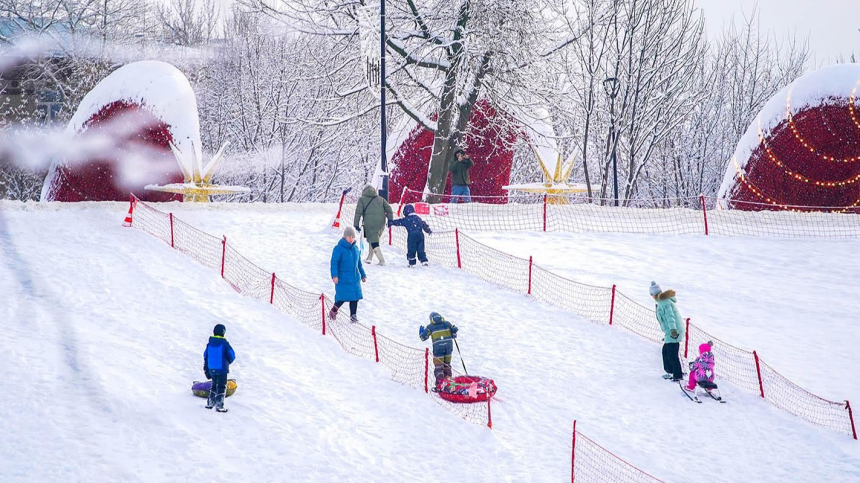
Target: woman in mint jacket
[{"x": 673, "y": 330}]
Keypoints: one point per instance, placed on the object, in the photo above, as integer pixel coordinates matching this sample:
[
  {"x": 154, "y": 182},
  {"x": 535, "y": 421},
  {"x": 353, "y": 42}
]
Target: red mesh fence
[
  {"x": 591, "y": 462},
  {"x": 608, "y": 306},
  {"x": 697, "y": 215},
  {"x": 407, "y": 365}
]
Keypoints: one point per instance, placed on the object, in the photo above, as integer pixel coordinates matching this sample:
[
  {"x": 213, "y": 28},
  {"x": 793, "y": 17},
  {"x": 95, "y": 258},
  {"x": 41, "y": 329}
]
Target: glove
[
  {"x": 430, "y": 232},
  {"x": 421, "y": 330},
  {"x": 357, "y": 229},
  {"x": 673, "y": 334},
  {"x": 206, "y": 372}
]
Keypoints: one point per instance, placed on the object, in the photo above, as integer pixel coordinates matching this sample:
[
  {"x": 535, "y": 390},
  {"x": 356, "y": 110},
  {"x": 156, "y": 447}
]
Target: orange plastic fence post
[
  {"x": 171, "y": 230},
  {"x": 127, "y": 222},
  {"x": 426, "y": 369},
  {"x": 223, "y": 254},
  {"x": 612, "y": 306},
  {"x": 704, "y": 213},
  {"x": 322, "y": 304},
  {"x": 573, "y": 455},
  {"x": 687, "y": 339},
  {"x": 851, "y": 417},
  {"x": 400, "y": 203},
  {"x": 489, "y": 413},
  {"x": 375, "y": 346},
  {"x": 272, "y": 295},
  {"x": 457, "y": 239},
  {"x": 531, "y": 261},
  {"x": 758, "y": 371},
  {"x": 389, "y": 236}
]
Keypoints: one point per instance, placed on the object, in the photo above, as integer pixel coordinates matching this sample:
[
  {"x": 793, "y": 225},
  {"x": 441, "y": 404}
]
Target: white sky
[{"x": 831, "y": 25}]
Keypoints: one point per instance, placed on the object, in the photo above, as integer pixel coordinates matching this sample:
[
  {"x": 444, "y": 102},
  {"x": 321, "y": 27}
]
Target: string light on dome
[
  {"x": 785, "y": 207},
  {"x": 793, "y": 127}
]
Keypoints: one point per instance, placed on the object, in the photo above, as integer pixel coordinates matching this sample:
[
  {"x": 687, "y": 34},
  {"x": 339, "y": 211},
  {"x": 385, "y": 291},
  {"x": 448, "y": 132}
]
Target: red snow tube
[{"x": 466, "y": 389}]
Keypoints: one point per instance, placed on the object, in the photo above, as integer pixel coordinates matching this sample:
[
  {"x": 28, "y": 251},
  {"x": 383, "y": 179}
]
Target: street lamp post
[
  {"x": 383, "y": 190},
  {"x": 610, "y": 85}
]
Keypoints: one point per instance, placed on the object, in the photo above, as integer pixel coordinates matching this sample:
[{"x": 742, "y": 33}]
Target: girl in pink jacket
[{"x": 702, "y": 369}]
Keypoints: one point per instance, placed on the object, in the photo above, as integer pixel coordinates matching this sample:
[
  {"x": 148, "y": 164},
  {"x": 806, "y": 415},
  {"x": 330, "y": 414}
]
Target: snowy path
[
  {"x": 551, "y": 367},
  {"x": 794, "y": 301},
  {"x": 103, "y": 333}
]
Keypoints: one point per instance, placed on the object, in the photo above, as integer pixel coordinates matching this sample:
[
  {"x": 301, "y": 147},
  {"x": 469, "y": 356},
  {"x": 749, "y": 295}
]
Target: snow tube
[
  {"x": 201, "y": 389},
  {"x": 466, "y": 389}
]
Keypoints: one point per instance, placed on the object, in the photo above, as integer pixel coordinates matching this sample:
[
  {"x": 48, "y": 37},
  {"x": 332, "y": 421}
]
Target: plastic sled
[
  {"x": 466, "y": 389},
  {"x": 202, "y": 388}
]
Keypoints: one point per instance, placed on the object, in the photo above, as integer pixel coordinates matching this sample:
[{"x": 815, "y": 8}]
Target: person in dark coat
[
  {"x": 460, "y": 181},
  {"x": 347, "y": 275},
  {"x": 443, "y": 334},
  {"x": 372, "y": 210},
  {"x": 217, "y": 358},
  {"x": 415, "y": 227}
]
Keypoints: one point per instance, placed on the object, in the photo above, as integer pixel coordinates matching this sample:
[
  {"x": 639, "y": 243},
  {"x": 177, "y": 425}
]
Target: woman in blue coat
[{"x": 347, "y": 275}]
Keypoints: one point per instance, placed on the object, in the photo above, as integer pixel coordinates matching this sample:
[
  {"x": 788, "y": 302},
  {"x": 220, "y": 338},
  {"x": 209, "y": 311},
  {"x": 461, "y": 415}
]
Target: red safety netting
[
  {"x": 608, "y": 306},
  {"x": 698, "y": 215},
  {"x": 407, "y": 365},
  {"x": 590, "y": 462}
]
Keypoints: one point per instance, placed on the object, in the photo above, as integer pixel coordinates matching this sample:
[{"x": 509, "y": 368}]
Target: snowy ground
[
  {"x": 794, "y": 301},
  {"x": 113, "y": 321}
]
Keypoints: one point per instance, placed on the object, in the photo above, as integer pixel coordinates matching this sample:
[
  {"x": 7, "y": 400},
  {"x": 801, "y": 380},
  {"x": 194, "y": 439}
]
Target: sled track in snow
[{"x": 407, "y": 365}]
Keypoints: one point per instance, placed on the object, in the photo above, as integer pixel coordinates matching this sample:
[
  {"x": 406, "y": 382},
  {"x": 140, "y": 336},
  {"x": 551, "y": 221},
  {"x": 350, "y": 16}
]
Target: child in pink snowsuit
[{"x": 702, "y": 369}]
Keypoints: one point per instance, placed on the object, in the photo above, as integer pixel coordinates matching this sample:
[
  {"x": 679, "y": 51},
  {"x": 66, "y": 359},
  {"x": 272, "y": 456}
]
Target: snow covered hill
[{"x": 106, "y": 326}]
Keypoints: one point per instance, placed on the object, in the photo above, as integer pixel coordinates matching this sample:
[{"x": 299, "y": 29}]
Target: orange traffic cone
[{"x": 128, "y": 220}]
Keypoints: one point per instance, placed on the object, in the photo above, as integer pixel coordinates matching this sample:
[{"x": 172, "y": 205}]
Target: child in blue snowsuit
[
  {"x": 216, "y": 365},
  {"x": 415, "y": 227},
  {"x": 443, "y": 334}
]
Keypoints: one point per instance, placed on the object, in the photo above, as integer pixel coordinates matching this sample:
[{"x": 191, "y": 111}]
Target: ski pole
[{"x": 461, "y": 357}]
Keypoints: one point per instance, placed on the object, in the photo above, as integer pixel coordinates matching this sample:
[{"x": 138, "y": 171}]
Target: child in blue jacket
[
  {"x": 216, "y": 365},
  {"x": 415, "y": 227}
]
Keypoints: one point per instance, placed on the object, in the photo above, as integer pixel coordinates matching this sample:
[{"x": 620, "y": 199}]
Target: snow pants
[
  {"x": 415, "y": 246},
  {"x": 442, "y": 361},
  {"x": 218, "y": 390},
  {"x": 671, "y": 363}
]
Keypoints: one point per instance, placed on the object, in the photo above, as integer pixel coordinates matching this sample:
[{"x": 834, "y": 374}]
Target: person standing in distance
[{"x": 460, "y": 181}]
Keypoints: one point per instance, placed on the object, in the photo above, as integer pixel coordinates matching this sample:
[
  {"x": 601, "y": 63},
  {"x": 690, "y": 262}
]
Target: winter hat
[
  {"x": 408, "y": 210},
  {"x": 219, "y": 330},
  {"x": 655, "y": 289},
  {"x": 704, "y": 348},
  {"x": 349, "y": 232},
  {"x": 436, "y": 318}
]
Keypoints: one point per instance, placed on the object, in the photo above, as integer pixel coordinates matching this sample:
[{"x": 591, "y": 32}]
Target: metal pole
[{"x": 383, "y": 192}]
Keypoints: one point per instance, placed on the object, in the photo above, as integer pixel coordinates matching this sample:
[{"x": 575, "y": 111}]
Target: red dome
[
  {"x": 807, "y": 153},
  {"x": 488, "y": 145},
  {"x": 98, "y": 178}
]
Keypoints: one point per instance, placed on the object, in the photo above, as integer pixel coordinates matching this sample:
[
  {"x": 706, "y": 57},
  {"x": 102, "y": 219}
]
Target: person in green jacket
[
  {"x": 373, "y": 210},
  {"x": 673, "y": 330},
  {"x": 459, "y": 168}
]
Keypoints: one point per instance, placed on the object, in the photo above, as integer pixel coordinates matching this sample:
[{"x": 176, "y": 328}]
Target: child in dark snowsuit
[
  {"x": 216, "y": 365},
  {"x": 443, "y": 334},
  {"x": 416, "y": 227}
]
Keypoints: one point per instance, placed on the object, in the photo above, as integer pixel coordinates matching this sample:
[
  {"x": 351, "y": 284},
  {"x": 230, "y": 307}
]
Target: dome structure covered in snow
[
  {"x": 120, "y": 137},
  {"x": 803, "y": 149}
]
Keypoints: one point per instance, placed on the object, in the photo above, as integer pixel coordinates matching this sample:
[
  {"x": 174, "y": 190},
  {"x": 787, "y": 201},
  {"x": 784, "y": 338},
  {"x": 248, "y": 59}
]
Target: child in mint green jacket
[{"x": 672, "y": 326}]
